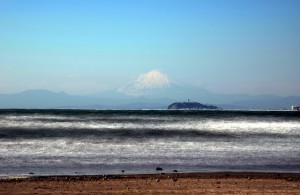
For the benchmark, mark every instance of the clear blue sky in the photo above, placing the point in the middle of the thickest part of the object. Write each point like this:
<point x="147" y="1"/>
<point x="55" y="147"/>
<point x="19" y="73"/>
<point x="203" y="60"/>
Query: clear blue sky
<point x="84" y="47"/>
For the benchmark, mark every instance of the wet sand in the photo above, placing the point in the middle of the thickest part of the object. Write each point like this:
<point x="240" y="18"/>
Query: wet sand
<point x="174" y="183"/>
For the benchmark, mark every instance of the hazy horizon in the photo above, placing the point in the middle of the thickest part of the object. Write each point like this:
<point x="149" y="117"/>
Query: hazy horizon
<point x="88" y="47"/>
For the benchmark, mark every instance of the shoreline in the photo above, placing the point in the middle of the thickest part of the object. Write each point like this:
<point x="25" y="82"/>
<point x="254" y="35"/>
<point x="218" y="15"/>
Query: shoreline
<point x="161" y="174"/>
<point x="161" y="183"/>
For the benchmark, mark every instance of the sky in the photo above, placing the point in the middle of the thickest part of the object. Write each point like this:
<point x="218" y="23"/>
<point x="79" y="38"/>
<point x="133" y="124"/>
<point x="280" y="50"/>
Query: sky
<point x="87" y="47"/>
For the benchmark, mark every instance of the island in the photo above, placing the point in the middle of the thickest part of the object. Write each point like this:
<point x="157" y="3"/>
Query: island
<point x="191" y="106"/>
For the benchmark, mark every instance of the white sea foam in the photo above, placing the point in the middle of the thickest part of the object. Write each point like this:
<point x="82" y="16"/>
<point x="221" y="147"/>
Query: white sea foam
<point x="213" y="125"/>
<point x="89" y="154"/>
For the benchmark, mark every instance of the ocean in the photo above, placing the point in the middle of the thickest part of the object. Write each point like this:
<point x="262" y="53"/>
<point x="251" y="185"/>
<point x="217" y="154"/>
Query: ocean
<point x="97" y="142"/>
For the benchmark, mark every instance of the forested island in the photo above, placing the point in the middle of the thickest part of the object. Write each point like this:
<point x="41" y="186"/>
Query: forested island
<point x="191" y="106"/>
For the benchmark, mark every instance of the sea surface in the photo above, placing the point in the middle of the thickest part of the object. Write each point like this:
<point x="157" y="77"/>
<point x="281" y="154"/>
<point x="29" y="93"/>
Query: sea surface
<point x="96" y="142"/>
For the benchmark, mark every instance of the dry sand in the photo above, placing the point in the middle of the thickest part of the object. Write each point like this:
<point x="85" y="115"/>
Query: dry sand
<point x="175" y="183"/>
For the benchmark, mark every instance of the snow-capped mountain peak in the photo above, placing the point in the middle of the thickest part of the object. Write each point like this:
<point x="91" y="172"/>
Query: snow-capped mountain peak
<point x="148" y="81"/>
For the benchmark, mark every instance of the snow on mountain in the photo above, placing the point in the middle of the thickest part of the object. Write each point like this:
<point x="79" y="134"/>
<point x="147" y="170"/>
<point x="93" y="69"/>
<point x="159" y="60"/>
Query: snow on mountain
<point x="150" y="81"/>
<point x="152" y="90"/>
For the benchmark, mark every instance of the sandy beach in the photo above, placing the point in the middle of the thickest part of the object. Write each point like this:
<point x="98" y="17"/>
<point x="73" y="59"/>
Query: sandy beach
<point x="174" y="183"/>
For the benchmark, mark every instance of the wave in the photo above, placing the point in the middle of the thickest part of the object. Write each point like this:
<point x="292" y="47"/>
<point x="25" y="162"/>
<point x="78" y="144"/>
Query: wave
<point x="184" y="124"/>
<point x="142" y="134"/>
<point x="33" y="124"/>
<point x="211" y="113"/>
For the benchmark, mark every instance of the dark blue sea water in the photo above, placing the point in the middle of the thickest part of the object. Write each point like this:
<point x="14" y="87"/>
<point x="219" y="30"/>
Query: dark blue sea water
<point x="78" y="142"/>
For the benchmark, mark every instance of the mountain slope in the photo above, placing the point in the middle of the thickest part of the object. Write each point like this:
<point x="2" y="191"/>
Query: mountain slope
<point x="43" y="99"/>
<point x="155" y="99"/>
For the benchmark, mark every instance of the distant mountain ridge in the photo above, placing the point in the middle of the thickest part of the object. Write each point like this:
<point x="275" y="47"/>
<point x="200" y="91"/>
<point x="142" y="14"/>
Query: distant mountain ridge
<point x="155" y="99"/>
<point x="45" y="99"/>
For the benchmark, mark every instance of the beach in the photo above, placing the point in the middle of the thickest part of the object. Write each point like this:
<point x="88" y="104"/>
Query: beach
<point x="163" y="183"/>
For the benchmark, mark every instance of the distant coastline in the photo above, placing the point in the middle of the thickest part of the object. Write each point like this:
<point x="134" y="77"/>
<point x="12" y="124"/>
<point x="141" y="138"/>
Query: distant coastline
<point x="44" y="99"/>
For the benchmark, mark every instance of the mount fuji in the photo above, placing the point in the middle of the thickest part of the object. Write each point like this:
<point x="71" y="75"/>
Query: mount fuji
<point x="152" y="90"/>
<point x="156" y="86"/>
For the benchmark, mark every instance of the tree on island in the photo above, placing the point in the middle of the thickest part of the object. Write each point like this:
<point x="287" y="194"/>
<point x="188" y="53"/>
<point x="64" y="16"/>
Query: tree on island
<point x="191" y="106"/>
